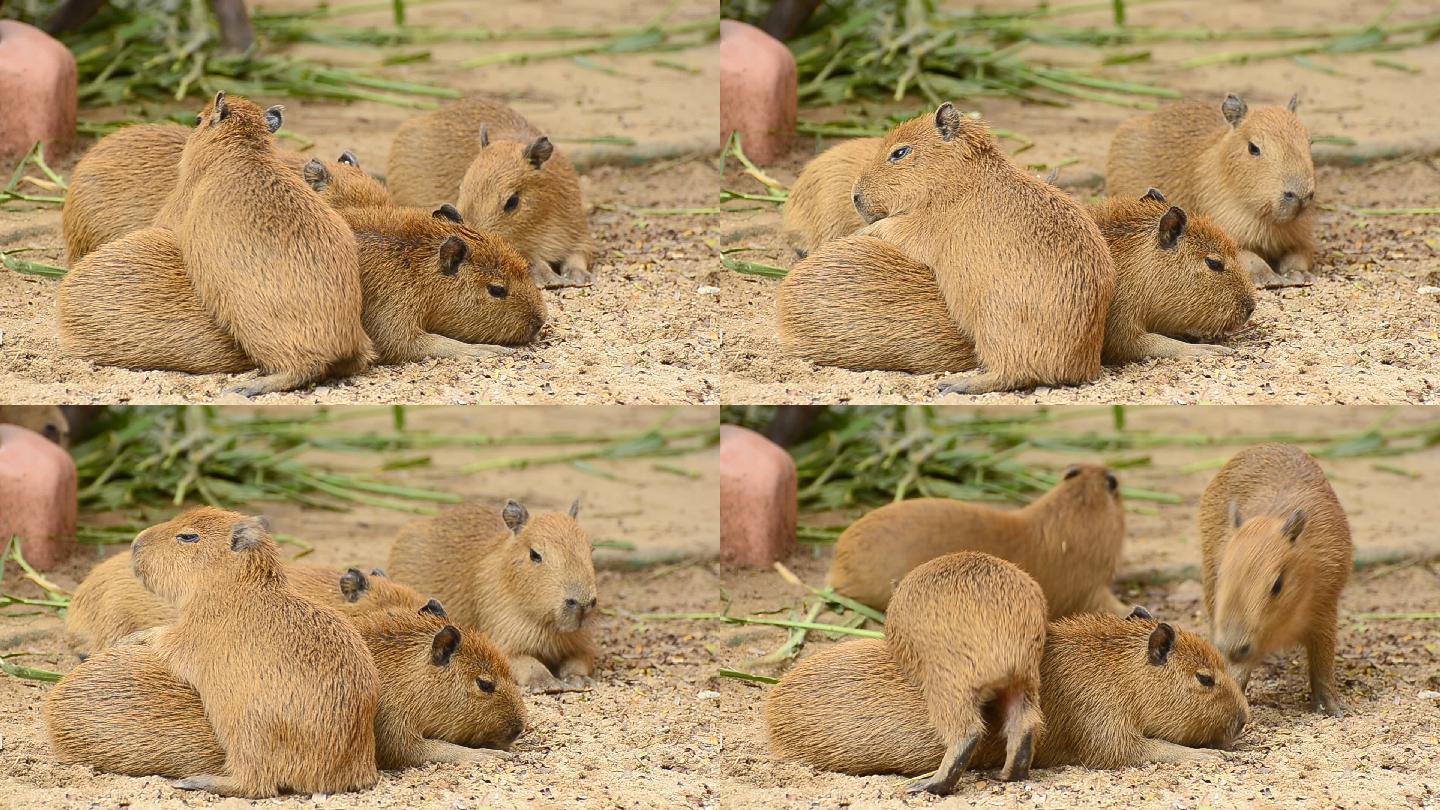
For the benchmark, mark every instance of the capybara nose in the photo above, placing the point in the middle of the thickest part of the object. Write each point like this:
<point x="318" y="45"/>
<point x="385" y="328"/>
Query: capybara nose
<point x="855" y="199"/>
<point x="1291" y="197"/>
<point x="516" y="729"/>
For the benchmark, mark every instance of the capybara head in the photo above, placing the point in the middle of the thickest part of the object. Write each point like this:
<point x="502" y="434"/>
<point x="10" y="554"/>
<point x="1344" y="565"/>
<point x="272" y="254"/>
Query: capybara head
<point x="452" y="683"/>
<point x="916" y="157"/>
<point x="1264" y="584"/>
<point x="513" y="188"/>
<point x="343" y="184"/>
<point x="1186" y="695"/>
<point x="1265" y="159"/>
<point x="234" y="119"/>
<point x="200" y="548"/>
<point x="47" y="420"/>
<point x="375" y="591"/>
<point x="484" y="293"/>
<point x="1185" y="267"/>
<point x="548" y="566"/>
<point x="1092" y="488"/>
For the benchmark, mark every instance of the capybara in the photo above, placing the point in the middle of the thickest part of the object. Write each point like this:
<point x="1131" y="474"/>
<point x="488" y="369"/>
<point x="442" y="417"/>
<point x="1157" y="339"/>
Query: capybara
<point x="528" y="584"/>
<point x="1024" y="272"/>
<point x="1248" y="170"/>
<point x="504" y="175"/>
<point x="47" y="420"/>
<point x="1277" y="553"/>
<point x="820" y="207"/>
<point x="1068" y="540"/>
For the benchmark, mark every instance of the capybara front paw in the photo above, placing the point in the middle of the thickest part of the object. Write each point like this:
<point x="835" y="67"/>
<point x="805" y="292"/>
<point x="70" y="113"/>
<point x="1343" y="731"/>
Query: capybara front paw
<point x="1328" y="705"/>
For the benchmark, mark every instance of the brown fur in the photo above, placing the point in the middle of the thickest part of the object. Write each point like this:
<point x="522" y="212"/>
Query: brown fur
<point x="47" y="420"/>
<point x="434" y="288"/>
<point x="819" y="208"/>
<point x="437" y="157"/>
<point x="1069" y="540"/>
<point x="110" y="603"/>
<point x="1269" y="516"/>
<point x="1024" y="272"/>
<point x="483" y="571"/>
<point x="274" y="265"/>
<point x="222" y="572"/>
<point x="969" y="630"/>
<point x="848" y="708"/>
<point x="123" y="181"/>
<point x="1191" y="152"/>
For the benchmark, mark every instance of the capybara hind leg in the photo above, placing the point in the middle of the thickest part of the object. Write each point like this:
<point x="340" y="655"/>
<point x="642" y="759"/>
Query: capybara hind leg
<point x="957" y="757"/>
<point x="282" y="381"/>
<point x="1321" y="652"/>
<point x="1022" y="717"/>
<point x="223" y="786"/>
<point x="1152" y="750"/>
<point x="982" y="383"/>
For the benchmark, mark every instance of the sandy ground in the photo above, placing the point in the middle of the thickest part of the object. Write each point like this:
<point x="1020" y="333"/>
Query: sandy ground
<point x="633" y="741"/>
<point x="1382" y="755"/>
<point x="1362" y="333"/>
<point x="641" y="333"/>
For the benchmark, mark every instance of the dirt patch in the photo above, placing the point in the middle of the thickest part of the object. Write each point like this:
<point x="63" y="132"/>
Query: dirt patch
<point x="1362" y="333"/>
<point x="639" y="739"/>
<point x="1382" y="754"/>
<point x="642" y="333"/>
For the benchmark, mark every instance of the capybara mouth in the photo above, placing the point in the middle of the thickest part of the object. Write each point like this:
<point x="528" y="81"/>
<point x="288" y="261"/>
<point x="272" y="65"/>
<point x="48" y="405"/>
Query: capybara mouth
<point x="862" y="207"/>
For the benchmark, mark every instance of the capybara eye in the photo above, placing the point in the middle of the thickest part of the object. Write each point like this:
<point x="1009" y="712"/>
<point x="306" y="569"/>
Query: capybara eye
<point x="1215" y="264"/>
<point x="1279" y="583"/>
<point x="188" y="537"/>
<point x="899" y="154"/>
<point x="497" y="290"/>
<point x="487" y="687"/>
<point x="535" y="556"/>
<point x="512" y="203"/>
<point x="1205" y="680"/>
<point x="1254" y="150"/>
<point x="1112" y="482"/>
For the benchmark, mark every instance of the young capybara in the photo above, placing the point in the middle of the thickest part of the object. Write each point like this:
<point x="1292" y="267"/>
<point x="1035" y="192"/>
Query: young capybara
<point x="1068" y="540"/>
<point x="506" y="178"/>
<point x="446" y="695"/>
<point x="296" y="712"/>
<point x="527" y="584"/>
<point x="341" y="184"/>
<point x="436" y="288"/>
<point x="1277" y="552"/>
<point x="1021" y="267"/>
<point x="820" y="207"/>
<point x="1249" y="170"/>
<point x="1115" y="693"/>
<point x="120" y="184"/>
<point x="110" y="603"/>
<point x="968" y="630"/>
<point x="274" y="266"/>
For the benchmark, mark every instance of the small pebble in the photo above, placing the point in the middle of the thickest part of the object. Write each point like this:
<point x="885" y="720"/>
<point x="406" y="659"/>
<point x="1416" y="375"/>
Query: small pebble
<point x="716" y="291"/>
<point x="1429" y="695"/>
<point x="712" y="695"/>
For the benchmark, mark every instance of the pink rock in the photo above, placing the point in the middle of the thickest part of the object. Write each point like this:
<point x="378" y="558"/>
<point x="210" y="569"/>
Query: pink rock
<point x="37" y="496"/>
<point x="757" y="499"/>
<point x="37" y="92"/>
<point x="757" y="91"/>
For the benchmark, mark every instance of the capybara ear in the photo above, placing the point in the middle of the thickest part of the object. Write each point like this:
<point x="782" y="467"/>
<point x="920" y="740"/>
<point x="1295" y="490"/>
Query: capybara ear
<point x="575" y="508"/>
<point x="1294" y="103"/>
<point x="515" y="515"/>
<point x="1162" y="638"/>
<point x="377" y="572"/>
<point x="452" y="254"/>
<point x="1072" y="471"/>
<point x="1234" y="109"/>
<point x="948" y="121"/>
<point x="353" y="585"/>
<point x="222" y="110"/>
<point x="264" y="523"/>
<point x="434" y="608"/>
<point x="245" y="535"/>
<point x="446" y="642"/>
<point x="274" y="117"/>
<point x="448" y="211"/>
<point x="1235" y="519"/>
<point x="1294" y="525"/>
<point x="348" y="158"/>
<point x="1140" y="613"/>
<point x="1154" y="194"/>
<point x="316" y="175"/>
<point x="1111" y="482"/>
<point x="539" y="151"/>
<point x="1172" y="227"/>
<point x="484" y="136"/>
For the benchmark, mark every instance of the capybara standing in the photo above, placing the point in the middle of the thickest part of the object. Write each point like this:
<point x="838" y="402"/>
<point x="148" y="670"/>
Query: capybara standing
<point x="504" y="175"/>
<point x="1115" y="693"/>
<point x="266" y="257"/>
<point x="528" y="584"/>
<point x="969" y="630"/>
<point x="1249" y="170"/>
<point x="819" y="207"/>
<point x="1069" y="540"/>
<point x="1277" y="554"/>
<point x="287" y="684"/>
<point x="1023" y="270"/>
